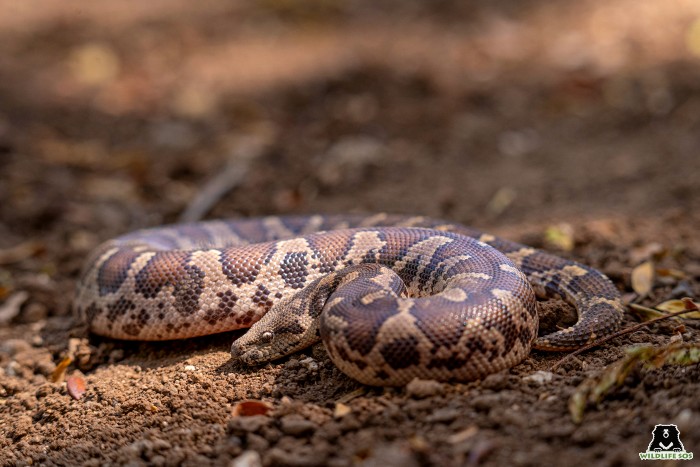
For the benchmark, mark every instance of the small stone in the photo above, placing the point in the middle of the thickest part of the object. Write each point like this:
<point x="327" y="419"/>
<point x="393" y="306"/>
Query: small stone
<point x="539" y="377"/>
<point x="684" y="419"/>
<point x="296" y="425"/>
<point x="310" y="364"/>
<point x="247" y="459"/>
<point x="495" y="382"/>
<point x="257" y="442"/>
<point x="292" y="364"/>
<point x="190" y="368"/>
<point x="422" y="388"/>
<point x="393" y="454"/>
<point x="116" y="355"/>
<point x="13" y="368"/>
<point x="341" y="410"/>
<point x="161" y="445"/>
<point x="486" y="402"/>
<point x="14" y="346"/>
<point x="444" y="415"/>
<point x="242" y="425"/>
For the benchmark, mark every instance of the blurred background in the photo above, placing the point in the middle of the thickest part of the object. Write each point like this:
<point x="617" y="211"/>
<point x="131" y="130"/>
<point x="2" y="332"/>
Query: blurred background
<point x="121" y="115"/>
<point x="568" y="125"/>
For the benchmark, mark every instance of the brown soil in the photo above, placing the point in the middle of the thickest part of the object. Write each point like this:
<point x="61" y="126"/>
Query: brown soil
<point x="519" y="117"/>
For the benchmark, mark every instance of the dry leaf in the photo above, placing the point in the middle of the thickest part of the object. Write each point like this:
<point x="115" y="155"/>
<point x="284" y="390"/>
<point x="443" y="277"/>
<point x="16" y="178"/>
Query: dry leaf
<point x="341" y="410"/>
<point x="673" y="306"/>
<point x="669" y="272"/>
<point x="593" y="390"/>
<point x="94" y="64"/>
<point x="501" y="200"/>
<point x="250" y="408"/>
<point x="76" y="386"/>
<point x="560" y="236"/>
<point x="643" y="278"/>
<point x="59" y="372"/>
<point x="649" y="252"/>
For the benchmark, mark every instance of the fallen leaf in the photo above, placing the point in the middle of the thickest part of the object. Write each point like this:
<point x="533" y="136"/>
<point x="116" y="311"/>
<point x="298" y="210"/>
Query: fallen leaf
<point x="341" y="410"/>
<point x="649" y="252"/>
<point x="76" y="386"/>
<point x="501" y="200"/>
<point x="670" y="272"/>
<point x="250" y="408"/>
<point x="21" y="251"/>
<point x="59" y="372"/>
<point x="94" y="64"/>
<point x="593" y="390"/>
<point x="673" y="306"/>
<point x="643" y="278"/>
<point x="560" y="236"/>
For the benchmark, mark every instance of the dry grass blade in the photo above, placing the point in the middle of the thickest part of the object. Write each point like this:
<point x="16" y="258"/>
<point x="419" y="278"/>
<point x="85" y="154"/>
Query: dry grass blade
<point x="229" y="178"/>
<point x="690" y="307"/>
<point x="593" y="390"/>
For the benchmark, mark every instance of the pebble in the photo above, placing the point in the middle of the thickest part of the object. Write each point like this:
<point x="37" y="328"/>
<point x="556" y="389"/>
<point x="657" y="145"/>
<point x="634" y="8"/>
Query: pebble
<point x="495" y="382"/>
<point x="310" y="364"/>
<point x="247" y="459"/>
<point x="539" y="377"/>
<point x="347" y="159"/>
<point x="257" y="442"/>
<point x="295" y="457"/>
<point x="242" y="425"/>
<point x="394" y="454"/>
<point x="190" y="368"/>
<point x="443" y="415"/>
<point x="14" y="346"/>
<point x="296" y="425"/>
<point x="13" y="368"/>
<point x="341" y="410"/>
<point x="485" y="402"/>
<point x="684" y="419"/>
<point x="422" y="388"/>
<point x="292" y="364"/>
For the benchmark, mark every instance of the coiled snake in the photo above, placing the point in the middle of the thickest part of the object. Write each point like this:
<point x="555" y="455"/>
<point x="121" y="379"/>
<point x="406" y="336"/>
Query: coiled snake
<point x="392" y="297"/>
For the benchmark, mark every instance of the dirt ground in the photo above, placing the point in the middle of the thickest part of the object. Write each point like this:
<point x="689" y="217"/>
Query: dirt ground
<point x="537" y="121"/>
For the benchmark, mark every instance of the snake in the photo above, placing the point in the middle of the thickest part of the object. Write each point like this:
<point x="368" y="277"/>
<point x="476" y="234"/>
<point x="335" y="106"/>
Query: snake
<point x="392" y="297"/>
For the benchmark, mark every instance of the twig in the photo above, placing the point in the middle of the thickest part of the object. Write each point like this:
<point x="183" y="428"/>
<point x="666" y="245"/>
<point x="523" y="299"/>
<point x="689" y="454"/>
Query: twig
<point x="229" y="178"/>
<point x="690" y="306"/>
<point x="20" y="252"/>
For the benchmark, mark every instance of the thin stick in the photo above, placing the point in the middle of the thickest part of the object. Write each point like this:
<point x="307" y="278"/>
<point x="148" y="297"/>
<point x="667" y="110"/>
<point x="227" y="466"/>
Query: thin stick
<point x="690" y="306"/>
<point x="229" y="178"/>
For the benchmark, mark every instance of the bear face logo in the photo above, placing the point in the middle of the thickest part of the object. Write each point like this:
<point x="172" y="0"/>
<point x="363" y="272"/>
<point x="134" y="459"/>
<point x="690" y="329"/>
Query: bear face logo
<point x="666" y="438"/>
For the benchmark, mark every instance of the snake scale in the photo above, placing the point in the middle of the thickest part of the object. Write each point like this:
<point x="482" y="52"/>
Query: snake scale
<point x="392" y="297"/>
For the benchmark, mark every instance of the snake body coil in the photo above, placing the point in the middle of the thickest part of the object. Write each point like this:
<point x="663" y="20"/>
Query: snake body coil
<point x="392" y="297"/>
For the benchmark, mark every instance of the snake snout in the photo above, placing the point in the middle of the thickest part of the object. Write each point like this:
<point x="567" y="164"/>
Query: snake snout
<point x="246" y="354"/>
<point x="236" y="350"/>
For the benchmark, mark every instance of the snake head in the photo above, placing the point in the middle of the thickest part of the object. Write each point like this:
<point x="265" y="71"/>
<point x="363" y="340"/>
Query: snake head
<point x="288" y="327"/>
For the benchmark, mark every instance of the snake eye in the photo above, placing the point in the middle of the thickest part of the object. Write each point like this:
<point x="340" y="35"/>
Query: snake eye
<point x="267" y="336"/>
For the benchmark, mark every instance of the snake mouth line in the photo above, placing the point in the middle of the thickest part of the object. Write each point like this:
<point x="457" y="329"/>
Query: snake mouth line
<point x="245" y="355"/>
